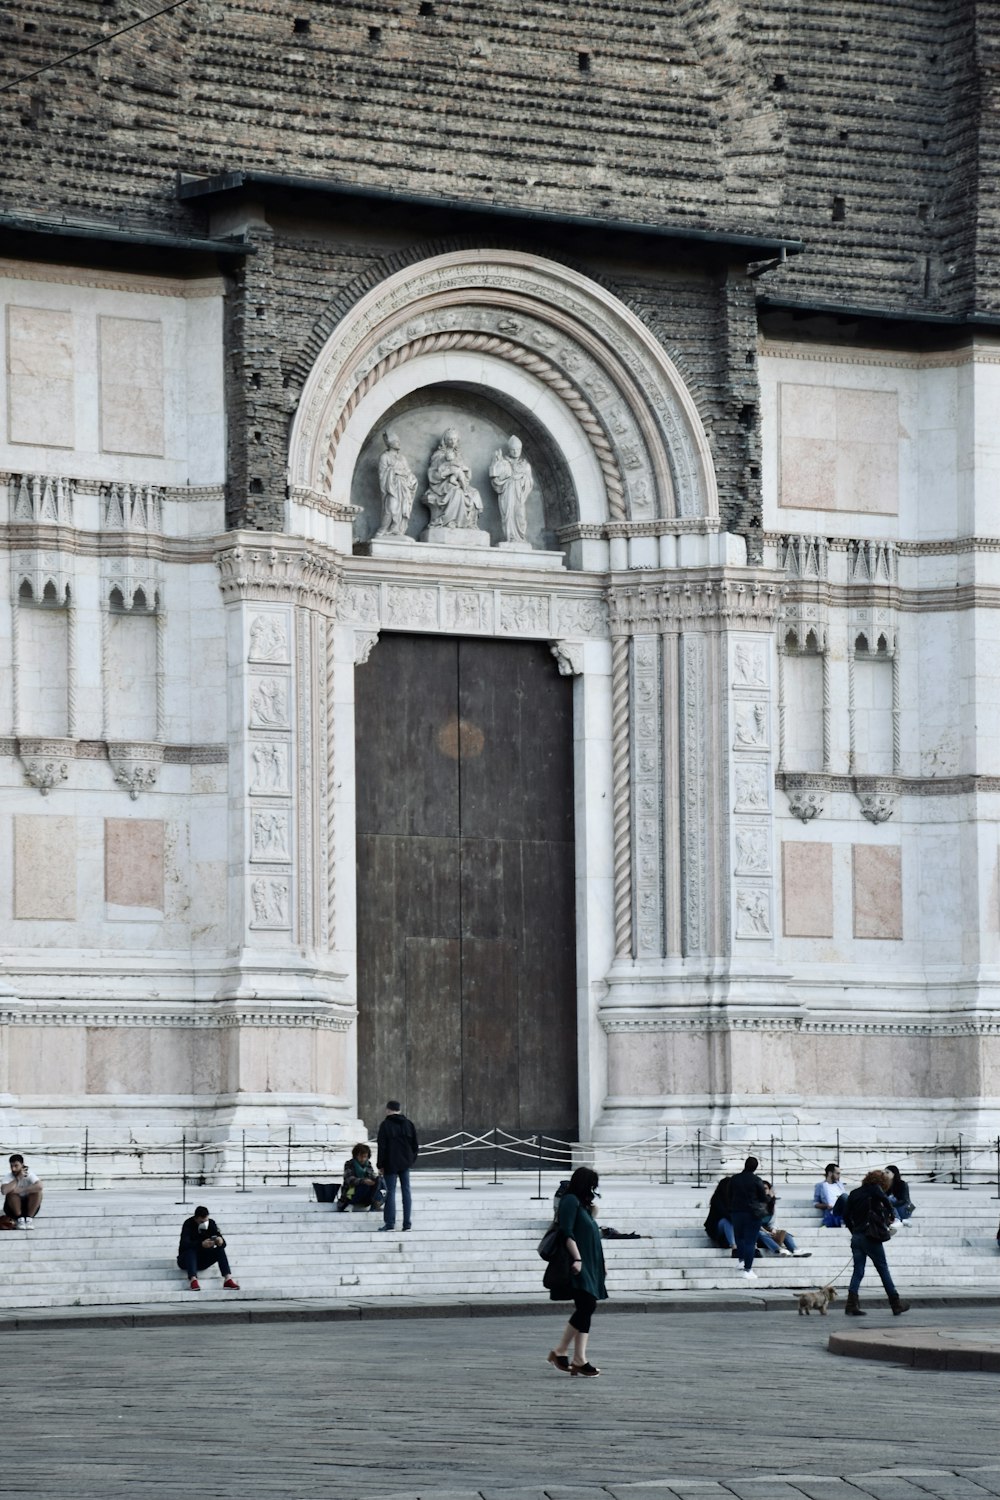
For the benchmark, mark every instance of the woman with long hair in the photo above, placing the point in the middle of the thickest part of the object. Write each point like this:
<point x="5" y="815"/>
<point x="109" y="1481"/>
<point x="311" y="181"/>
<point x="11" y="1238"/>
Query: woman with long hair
<point x="899" y="1195"/>
<point x="868" y="1216"/>
<point x="586" y="1253"/>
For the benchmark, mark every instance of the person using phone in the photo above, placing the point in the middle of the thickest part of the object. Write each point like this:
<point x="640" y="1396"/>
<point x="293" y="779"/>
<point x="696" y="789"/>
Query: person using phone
<point x="202" y="1245"/>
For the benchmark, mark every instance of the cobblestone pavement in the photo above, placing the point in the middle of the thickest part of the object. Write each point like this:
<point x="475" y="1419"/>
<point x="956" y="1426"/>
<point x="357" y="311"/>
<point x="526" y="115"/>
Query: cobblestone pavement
<point x="737" y="1406"/>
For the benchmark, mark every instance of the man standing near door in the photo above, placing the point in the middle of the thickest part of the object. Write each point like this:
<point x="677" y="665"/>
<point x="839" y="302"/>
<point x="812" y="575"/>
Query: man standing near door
<point x="396" y="1151"/>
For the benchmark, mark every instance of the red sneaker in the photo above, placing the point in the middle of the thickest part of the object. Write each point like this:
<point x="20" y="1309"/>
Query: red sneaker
<point x="231" y="1285"/>
<point x="194" y="1284"/>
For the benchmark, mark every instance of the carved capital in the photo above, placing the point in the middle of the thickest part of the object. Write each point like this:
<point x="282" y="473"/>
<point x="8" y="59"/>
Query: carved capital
<point x="806" y="797"/>
<point x="308" y="575"/>
<point x="877" y="807"/>
<point x="45" y="761"/>
<point x="692" y="601"/>
<point x="135" y="764"/>
<point x="365" y="642"/>
<point x="569" y="657"/>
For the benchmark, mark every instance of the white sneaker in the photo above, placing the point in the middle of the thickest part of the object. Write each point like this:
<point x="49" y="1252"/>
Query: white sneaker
<point x="802" y="1254"/>
<point x="783" y="1251"/>
<point x="22" y="1223"/>
<point x="749" y="1275"/>
<point x="29" y="1223"/>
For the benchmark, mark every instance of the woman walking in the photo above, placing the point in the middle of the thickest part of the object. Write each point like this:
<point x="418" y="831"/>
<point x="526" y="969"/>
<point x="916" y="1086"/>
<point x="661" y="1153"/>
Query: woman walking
<point x="868" y="1215"/>
<point x="586" y="1255"/>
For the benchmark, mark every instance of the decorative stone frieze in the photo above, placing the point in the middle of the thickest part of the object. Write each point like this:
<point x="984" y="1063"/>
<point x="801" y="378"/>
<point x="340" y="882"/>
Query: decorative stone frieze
<point x="131" y="507"/>
<point x="749" y="672"/>
<point x="225" y="1016"/>
<point x="476" y="607"/>
<point x="46" y="761"/>
<point x="41" y="499"/>
<point x="693" y="601"/>
<point x="135" y="764"/>
<point x="291" y="570"/>
<point x="647" y="794"/>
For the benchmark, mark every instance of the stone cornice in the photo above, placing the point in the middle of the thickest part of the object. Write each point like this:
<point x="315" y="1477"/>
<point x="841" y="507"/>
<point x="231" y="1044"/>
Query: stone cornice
<point x="664" y="526"/>
<point x="940" y="547"/>
<point x="173" y="755"/>
<point x="71" y="542"/>
<point x="113" y="281"/>
<point x="284" y="568"/>
<point x="844" y="596"/>
<point x="210" y="1017"/>
<point x="672" y="601"/>
<point x="612" y="1023"/>
<point x="825" y="782"/>
<point x="882" y="359"/>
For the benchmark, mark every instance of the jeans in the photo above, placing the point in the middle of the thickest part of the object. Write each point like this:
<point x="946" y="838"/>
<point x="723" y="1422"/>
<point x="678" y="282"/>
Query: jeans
<point x="196" y="1259"/>
<point x="728" y="1233"/>
<point x="863" y="1248"/>
<point x="771" y="1245"/>
<point x="389" y="1212"/>
<point x="745" y="1227"/>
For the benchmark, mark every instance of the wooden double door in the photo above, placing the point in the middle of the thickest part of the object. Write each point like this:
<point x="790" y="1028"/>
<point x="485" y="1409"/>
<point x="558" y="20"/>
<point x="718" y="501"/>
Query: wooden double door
<point x="466" y="883"/>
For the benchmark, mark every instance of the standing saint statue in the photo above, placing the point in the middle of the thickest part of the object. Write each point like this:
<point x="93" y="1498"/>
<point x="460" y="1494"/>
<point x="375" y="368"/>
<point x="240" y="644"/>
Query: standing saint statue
<point x="512" y="479"/>
<point x="452" y="500"/>
<point x="398" y="485"/>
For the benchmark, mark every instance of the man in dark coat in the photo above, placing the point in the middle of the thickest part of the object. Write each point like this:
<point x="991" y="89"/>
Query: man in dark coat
<point x="201" y="1246"/>
<point x="396" y="1151"/>
<point x="747" y="1211"/>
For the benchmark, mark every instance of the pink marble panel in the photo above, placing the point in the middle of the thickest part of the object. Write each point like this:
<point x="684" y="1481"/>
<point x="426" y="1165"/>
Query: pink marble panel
<point x="133" y="862"/>
<point x="807" y="889"/>
<point x="44" y="868"/>
<point x="878" y="891"/>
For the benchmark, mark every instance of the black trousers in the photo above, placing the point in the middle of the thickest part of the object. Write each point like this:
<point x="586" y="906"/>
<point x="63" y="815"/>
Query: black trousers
<point x="585" y="1305"/>
<point x="195" y="1260"/>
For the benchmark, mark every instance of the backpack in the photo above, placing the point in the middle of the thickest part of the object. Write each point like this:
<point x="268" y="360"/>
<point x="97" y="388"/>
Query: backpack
<point x="864" y="1214"/>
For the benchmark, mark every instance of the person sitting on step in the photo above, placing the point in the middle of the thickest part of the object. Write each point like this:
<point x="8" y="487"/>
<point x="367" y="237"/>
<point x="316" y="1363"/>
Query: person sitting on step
<point x="201" y="1246"/>
<point x="363" y="1188"/>
<point x="22" y="1194"/>
<point x="776" y="1241"/>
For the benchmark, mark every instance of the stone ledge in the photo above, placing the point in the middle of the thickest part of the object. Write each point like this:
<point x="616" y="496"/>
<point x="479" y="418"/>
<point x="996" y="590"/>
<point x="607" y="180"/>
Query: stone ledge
<point x="921" y="1348"/>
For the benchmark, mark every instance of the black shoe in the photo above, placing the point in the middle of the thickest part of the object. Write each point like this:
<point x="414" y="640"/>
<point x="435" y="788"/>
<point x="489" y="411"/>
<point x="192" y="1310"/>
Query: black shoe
<point x="406" y="1227"/>
<point x="385" y="1229"/>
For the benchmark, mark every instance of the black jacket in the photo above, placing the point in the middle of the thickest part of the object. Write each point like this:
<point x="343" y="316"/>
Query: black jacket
<point x="718" y="1208"/>
<point x="397" y="1147"/>
<point x="747" y="1195"/>
<point x="868" y="1211"/>
<point x="191" y="1235"/>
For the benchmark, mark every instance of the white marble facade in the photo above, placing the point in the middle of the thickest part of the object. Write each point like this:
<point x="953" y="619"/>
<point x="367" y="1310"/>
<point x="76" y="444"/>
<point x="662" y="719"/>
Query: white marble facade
<point x="787" y="802"/>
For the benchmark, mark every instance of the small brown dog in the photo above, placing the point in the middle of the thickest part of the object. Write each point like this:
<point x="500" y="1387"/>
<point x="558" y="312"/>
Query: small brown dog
<point x="819" y="1300"/>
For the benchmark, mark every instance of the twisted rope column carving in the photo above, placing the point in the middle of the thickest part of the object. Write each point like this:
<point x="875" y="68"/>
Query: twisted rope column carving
<point x="621" y="795"/>
<point x="71" y="671"/>
<point x="161" y="704"/>
<point x="15" y="664"/>
<point x="516" y="354"/>
<point x="827" y="712"/>
<point x="851" y="728"/>
<point x="331" y="867"/>
<point x="897" y="754"/>
<point x="105" y="699"/>
<point x="781" y="709"/>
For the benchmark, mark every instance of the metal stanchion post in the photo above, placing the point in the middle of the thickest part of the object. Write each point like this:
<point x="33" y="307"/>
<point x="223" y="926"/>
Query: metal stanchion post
<point x="772" y="1161"/>
<point x="961" y="1168"/>
<point x="461" y="1186"/>
<point x="184" y="1169"/>
<point x="496" y="1160"/>
<point x="243" y="1167"/>
<point x="539" y="1195"/>
<point x="666" y="1155"/>
<point x="86" y="1159"/>
<point x="836" y="1155"/>
<point x="698" y="1155"/>
<point x="288" y="1160"/>
<point x="997" y="1193"/>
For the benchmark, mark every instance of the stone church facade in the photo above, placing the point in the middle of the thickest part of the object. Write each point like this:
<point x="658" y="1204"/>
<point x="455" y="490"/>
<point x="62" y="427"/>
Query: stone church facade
<point x="638" y="773"/>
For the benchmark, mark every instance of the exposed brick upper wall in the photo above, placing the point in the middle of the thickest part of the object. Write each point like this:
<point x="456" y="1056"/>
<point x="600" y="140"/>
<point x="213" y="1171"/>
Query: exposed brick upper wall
<point x="861" y="126"/>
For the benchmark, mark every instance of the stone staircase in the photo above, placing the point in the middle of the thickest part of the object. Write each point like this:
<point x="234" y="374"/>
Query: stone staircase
<point x="112" y="1247"/>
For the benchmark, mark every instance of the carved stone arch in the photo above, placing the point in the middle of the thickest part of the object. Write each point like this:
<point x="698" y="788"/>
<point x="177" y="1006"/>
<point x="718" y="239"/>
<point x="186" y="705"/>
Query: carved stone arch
<point x="552" y="328"/>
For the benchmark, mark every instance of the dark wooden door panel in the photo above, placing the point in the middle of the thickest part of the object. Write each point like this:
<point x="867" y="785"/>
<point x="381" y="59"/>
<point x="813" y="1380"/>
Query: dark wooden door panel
<point x="489" y="1033"/>
<point x="520" y="783"/>
<point x="407" y="888"/>
<point x="405" y="711"/>
<point x="466" y="911"/>
<point x="434" y="1046"/>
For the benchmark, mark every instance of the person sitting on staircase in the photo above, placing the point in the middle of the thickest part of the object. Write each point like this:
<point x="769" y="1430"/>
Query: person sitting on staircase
<point x="201" y="1246"/>
<point x="22" y="1195"/>
<point x="363" y="1188"/>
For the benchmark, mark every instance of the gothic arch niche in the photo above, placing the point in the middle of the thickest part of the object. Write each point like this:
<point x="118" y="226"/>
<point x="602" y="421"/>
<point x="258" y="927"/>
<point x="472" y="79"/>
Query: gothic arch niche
<point x="527" y="330"/>
<point x="484" y="423"/>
